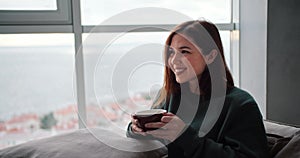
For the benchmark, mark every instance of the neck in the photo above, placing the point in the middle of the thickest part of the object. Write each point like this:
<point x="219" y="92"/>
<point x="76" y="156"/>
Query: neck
<point x="194" y="86"/>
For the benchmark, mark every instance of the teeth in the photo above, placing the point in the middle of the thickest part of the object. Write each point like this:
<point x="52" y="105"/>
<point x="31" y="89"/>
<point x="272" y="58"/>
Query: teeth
<point x="179" y="70"/>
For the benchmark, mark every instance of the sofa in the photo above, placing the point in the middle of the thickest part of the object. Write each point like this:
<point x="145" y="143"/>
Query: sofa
<point x="284" y="142"/>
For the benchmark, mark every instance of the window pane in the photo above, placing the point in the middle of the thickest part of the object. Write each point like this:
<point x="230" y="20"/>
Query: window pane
<point x="132" y="64"/>
<point x="96" y="11"/>
<point x="28" y="5"/>
<point x="225" y="37"/>
<point x="36" y="83"/>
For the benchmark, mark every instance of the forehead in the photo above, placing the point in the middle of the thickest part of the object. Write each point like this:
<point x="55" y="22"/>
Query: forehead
<point x="179" y="40"/>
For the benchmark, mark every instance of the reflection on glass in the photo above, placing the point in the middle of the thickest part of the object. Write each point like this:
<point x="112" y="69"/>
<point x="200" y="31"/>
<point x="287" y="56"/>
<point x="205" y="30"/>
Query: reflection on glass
<point x="28" y="5"/>
<point x="94" y="11"/>
<point x="36" y="83"/>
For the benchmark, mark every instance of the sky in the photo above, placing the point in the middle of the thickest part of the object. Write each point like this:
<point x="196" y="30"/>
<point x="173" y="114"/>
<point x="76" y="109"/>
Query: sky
<point x="95" y="12"/>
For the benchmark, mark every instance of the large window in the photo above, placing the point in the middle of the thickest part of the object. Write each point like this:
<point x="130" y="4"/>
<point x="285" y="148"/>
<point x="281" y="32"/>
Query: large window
<point x="36" y="86"/>
<point x="49" y="85"/>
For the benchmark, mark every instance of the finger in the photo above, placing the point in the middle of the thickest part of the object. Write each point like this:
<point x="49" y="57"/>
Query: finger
<point x="155" y="125"/>
<point x="167" y="119"/>
<point x="135" y="128"/>
<point x="134" y="121"/>
<point x="142" y="133"/>
<point x="169" y="114"/>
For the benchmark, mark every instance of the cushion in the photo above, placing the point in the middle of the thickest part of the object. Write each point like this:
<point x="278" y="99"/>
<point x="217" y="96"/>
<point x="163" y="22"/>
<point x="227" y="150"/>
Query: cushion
<point x="280" y="129"/>
<point x="87" y="143"/>
<point x="276" y="143"/>
<point x="282" y="139"/>
<point x="291" y="149"/>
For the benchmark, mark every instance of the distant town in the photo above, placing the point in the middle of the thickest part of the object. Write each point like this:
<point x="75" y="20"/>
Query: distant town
<point x="30" y="126"/>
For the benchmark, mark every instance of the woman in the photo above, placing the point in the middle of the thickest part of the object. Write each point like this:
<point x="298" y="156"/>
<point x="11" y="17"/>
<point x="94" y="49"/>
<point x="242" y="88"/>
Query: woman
<point x="197" y="81"/>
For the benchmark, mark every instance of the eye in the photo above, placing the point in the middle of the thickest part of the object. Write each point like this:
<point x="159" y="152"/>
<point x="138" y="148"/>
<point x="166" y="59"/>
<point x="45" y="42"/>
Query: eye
<point x="185" y="52"/>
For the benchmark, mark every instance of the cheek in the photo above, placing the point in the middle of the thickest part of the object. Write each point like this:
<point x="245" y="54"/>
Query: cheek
<point x="169" y="64"/>
<point x="197" y="65"/>
<point x="200" y="68"/>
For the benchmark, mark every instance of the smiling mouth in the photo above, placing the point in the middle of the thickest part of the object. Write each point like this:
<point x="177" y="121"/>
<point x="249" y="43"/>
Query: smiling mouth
<point x="179" y="71"/>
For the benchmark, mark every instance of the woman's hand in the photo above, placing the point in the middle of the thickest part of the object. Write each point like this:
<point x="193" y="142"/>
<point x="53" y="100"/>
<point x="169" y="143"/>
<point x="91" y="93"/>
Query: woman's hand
<point x="135" y="128"/>
<point x="170" y="127"/>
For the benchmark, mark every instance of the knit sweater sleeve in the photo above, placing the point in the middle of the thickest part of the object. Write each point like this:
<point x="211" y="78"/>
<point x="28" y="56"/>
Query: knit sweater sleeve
<point x="243" y="137"/>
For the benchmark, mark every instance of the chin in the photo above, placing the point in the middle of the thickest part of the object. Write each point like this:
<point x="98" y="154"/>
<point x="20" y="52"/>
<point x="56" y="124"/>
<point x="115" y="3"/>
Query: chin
<point x="180" y="81"/>
<point x="184" y="79"/>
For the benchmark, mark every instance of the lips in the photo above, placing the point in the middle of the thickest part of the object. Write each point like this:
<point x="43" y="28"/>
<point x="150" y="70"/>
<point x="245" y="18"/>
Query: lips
<point x="179" y="71"/>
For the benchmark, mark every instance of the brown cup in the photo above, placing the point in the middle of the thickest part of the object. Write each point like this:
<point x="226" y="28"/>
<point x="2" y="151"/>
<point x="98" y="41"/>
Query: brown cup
<point x="146" y="116"/>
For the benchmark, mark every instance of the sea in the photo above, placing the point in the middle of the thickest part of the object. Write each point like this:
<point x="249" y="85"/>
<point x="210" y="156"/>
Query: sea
<point x="42" y="79"/>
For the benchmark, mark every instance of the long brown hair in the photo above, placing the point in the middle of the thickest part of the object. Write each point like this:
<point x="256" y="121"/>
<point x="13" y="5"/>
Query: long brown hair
<point x="206" y="37"/>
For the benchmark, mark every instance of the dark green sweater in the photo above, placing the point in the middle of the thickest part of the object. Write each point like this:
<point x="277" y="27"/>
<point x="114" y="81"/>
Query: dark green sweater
<point x="237" y="133"/>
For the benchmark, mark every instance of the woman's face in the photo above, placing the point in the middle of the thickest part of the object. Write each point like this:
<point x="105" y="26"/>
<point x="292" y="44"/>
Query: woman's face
<point x="185" y="60"/>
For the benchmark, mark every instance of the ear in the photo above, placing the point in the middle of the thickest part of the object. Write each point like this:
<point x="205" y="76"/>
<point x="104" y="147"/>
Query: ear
<point x="209" y="58"/>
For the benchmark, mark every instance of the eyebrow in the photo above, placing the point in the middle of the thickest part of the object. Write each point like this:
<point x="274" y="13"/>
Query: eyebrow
<point x="184" y="47"/>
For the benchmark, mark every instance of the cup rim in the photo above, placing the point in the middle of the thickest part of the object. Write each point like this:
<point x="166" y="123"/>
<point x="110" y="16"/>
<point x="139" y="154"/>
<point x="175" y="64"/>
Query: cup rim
<point x="153" y="112"/>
